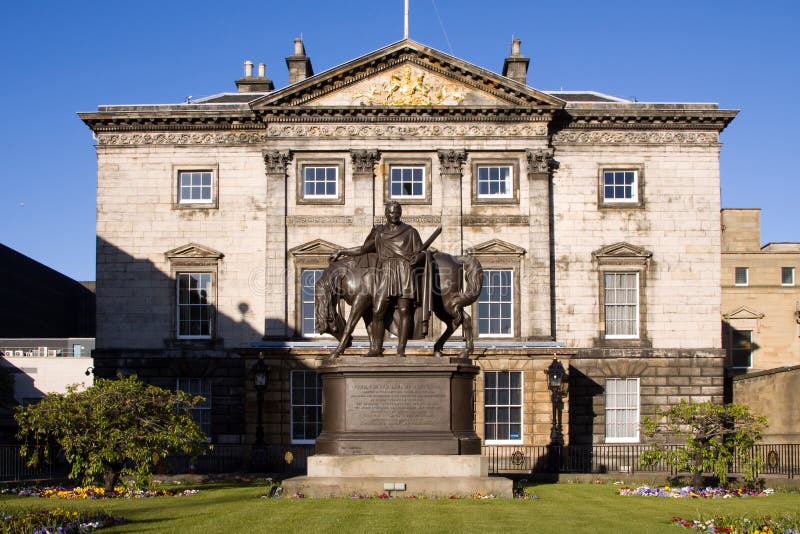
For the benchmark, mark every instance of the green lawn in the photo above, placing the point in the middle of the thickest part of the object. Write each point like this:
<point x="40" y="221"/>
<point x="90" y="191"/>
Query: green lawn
<point x="559" y="508"/>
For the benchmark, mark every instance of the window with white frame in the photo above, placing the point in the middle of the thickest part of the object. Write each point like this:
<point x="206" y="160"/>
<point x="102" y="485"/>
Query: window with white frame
<point x="622" y="410"/>
<point x="194" y="305"/>
<point x="787" y="276"/>
<point x="407" y="182"/>
<point x="496" y="303"/>
<point x="195" y="187"/>
<point x="502" y="406"/>
<point x="495" y="181"/>
<point x="320" y="182"/>
<point x="306" y="398"/>
<point x="741" y="349"/>
<point x="308" y="280"/>
<point x="620" y="186"/>
<point x="202" y="411"/>
<point x="621" y="305"/>
<point x="742" y="276"/>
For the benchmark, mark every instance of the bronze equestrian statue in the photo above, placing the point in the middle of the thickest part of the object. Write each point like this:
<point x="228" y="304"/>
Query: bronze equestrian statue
<point x="394" y="272"/>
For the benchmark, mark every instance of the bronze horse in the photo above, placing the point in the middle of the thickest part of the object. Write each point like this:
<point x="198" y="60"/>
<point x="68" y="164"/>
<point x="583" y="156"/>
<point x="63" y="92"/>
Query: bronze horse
<point x="354" y="280"/>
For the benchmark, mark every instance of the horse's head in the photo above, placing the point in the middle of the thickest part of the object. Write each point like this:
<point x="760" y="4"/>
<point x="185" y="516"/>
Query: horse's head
<point x="326" y="298"/>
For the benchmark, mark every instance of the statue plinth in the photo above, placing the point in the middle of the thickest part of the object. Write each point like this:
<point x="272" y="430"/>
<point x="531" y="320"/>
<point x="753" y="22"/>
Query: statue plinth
<point x="395" y="406"/>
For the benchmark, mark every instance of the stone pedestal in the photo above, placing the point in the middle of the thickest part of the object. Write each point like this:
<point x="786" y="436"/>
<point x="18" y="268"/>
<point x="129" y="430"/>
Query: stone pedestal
<point x="391" y="405"/>
<point x="404" y="426"/>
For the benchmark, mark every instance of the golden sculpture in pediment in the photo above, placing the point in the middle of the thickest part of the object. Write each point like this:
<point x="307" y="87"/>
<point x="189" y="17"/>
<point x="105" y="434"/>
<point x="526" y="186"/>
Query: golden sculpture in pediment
<point x="409" y="88"/>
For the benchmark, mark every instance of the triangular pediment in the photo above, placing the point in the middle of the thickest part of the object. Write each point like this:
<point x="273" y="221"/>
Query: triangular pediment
<point x="318" y="247"/>
<point x="622" y="251"/>
<point x="496" y="247"/>
<point x="743" y="312"/>
<point x="407" y="74"/>
<point x="193" y="250"/>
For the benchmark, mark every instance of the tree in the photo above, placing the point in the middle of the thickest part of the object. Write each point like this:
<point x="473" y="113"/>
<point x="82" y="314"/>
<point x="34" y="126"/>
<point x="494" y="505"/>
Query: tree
<point x="712" y="436"/>
<point x="114" y="428"/>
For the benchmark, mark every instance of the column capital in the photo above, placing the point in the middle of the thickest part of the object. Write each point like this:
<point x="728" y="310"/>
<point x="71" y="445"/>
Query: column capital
<point x="540" y="162"/>
<point x="364" y="161"/>
<point x="275" y="161"/>
<point x="452" y="160"/>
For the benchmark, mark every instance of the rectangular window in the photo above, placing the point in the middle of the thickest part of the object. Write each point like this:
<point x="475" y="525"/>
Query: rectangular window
<point x="621" y="305"/>
<point x="622" y="410"/>
<point x="202" y="412"/>
<point x="195" y="187"/>
<point x="320" y="182"/>
<point x="620" y="186"/>
<point x="787" y="276"/>
<point x="308" y="280"/>
<point x="306" y="406"/>
<point x="741" y="349"/>
<point x="195" y="309"/>
<point x="502" y="406"/>
<point x="495" y="181"/>
<point x="742" y="276"/>
<point x="495" y="304"/>
<point x="406" y="182"/>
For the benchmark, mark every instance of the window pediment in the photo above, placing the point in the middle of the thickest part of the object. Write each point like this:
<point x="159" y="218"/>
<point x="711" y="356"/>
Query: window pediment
<point x="317" y="247"/>
<point x="622" y="253"/>
<point x="192" y="252"/>
<point x="496" y="247"/>
<point x="743" y="312"/>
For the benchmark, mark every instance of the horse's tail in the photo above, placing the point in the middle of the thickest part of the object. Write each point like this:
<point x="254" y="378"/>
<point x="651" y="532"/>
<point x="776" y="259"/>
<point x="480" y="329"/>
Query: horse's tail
<point x="326" y="314"/>
<point x="473" y="278"/>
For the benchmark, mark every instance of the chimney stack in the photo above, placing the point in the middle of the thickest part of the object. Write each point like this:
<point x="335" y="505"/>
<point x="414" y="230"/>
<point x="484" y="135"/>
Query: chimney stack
<point x="251" y="84"/>
<point x="299" y="64"/>
<point x="516" y="65"/>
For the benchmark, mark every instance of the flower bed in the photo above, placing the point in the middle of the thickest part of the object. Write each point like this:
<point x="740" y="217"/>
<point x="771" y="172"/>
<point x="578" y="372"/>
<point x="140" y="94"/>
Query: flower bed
<point x="93" y="492"/>
<point x="688" y="492"/>
<point x="787" y="524"/>
<point x="55" y="521"/>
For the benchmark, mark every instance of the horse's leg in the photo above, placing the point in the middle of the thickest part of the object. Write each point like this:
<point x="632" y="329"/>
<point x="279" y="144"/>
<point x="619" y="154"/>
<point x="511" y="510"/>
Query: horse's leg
<point x="466" y="329"/>
<point x="360" y="303"/>
<point x="449" y="327"/>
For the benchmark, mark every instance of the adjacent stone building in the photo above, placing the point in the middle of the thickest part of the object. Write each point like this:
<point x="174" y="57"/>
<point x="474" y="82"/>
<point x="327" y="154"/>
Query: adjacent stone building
<point x="596" y="220"/>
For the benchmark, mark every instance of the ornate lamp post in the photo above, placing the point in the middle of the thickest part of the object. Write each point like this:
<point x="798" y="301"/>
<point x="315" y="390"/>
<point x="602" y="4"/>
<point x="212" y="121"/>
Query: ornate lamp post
<point x="557" y="384"/>
<point x="260" y="371"/>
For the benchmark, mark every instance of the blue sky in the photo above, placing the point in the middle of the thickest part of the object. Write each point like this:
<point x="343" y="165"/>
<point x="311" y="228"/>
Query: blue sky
<point x="58" y="58"/>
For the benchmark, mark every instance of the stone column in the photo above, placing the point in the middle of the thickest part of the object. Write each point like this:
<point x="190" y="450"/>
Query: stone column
<point x="363" y="162"/>
<point x="541" y="247"/>
<point x="452" y="239"/>
<point x="275" y="283"/>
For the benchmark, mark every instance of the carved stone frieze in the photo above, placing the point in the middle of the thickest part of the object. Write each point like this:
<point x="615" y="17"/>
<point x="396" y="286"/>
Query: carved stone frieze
<point x="540" y="161"/>
<point x="407" y="130"/>
<point x="201" y="138"/>
<point x="321" y="220"/>
<point x="492" y="220"/>
<point x="634" y="137"/>
<point x="275" y="161"/>
<point x="451" y="161"/>
<point x="408" y="87"/>
<point x="364" y="161"/>
<point x="429" y="220"/>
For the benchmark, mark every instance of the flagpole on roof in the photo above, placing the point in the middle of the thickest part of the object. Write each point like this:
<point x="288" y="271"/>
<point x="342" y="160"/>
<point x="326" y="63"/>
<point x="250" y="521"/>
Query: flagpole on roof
<point x="405" y="21"/>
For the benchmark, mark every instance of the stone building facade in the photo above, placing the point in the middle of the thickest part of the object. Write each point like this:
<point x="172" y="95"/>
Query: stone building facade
<point x="596" y="220"/>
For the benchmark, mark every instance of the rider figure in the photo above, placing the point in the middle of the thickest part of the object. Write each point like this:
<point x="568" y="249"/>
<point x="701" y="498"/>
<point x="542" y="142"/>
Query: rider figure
<point x="399" y="248"/>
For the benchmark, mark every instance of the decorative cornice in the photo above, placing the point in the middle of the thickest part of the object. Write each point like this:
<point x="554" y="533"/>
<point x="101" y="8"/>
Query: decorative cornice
<point x="331" y="220"/>
<point x="569" y="137"/>
<point x="384" y="114"/>
<point x="650" y="118"/>
<point x="451" y="161"/>
<point x="429" y="220"/>
<point x="411" y="130"/>
<point x="223" y="138"/>
<point x="540" y="161"/>
<point x="364" y="161"/>
<point x="493" y="220"/>
<point x="144" y="120"/>
<point x="275" y="161"/>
